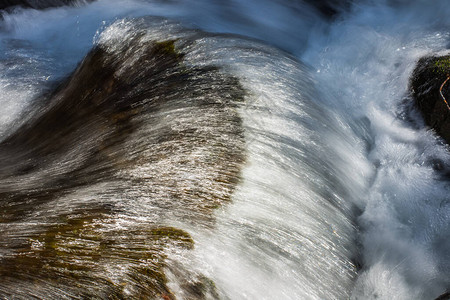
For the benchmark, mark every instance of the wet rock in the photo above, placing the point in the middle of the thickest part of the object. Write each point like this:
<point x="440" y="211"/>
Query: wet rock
<point x="329" y="8"/>
<point x="133" y="137"/>
<point x="445" y="296"/>
<point x="430" y="87"/>
<point x="38" y="4"/>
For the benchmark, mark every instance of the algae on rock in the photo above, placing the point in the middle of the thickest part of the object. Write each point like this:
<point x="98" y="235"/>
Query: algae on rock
<point x="124" y="131"/>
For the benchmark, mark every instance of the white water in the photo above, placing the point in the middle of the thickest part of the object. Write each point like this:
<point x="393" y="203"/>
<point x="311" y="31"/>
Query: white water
<point x="406" y="217"/>
<point x="362" y="62"/>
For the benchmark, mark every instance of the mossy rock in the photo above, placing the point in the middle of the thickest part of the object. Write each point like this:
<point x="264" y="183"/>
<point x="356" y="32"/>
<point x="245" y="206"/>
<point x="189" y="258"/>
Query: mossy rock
<point x="431" y="92"/>
<point x="141" y="107"/>
<point x="75" y="251"/>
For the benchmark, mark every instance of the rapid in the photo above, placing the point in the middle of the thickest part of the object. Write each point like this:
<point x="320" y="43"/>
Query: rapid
<point x="220" y="150"/>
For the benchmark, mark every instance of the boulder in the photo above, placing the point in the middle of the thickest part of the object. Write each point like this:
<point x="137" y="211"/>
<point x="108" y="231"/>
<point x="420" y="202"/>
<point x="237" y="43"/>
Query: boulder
<point x="430" y="87"/>
<point x="134" y="131"/>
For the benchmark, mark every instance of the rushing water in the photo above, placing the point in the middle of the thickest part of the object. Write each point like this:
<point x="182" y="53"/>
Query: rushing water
<point x="273" y="154"/>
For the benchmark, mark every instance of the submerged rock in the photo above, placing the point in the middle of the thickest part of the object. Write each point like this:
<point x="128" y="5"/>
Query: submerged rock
<point x="133" y="138"/>
<point x="445" y="296"/>
<point x="430" y="85"/>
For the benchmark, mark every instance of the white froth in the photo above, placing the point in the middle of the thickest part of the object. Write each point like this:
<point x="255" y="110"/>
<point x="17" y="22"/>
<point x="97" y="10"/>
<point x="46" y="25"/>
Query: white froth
<point x="373" y="51"/>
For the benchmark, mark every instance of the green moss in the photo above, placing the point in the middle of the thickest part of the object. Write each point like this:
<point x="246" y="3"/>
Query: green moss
<point x="442" y="65"/>
<point x="76" y="248"/>
<point x="166" y="48"/>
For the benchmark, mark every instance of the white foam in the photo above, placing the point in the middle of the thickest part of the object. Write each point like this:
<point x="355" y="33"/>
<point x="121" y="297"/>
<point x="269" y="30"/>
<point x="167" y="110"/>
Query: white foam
<point x="373" y="51"/>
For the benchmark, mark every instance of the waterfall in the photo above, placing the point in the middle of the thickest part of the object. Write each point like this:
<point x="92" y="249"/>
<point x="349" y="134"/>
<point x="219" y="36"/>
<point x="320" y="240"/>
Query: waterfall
<point x="220" y="150"/>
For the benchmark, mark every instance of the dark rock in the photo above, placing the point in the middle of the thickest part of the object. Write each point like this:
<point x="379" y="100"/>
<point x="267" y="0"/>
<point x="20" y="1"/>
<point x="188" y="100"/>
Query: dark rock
<point x="445" y="296"/>
<point x="430" y="86"/>
<point x="329" y="8"/>
<point x="37" y="4"/>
